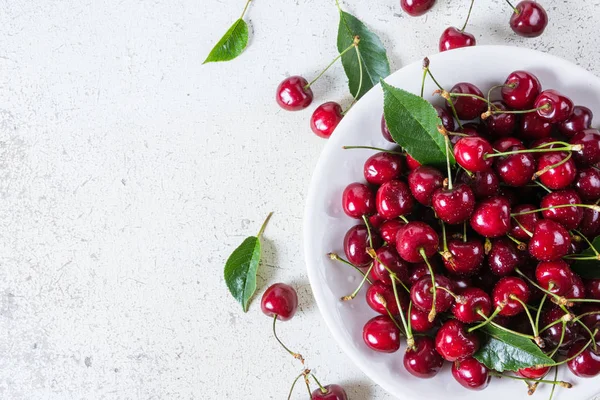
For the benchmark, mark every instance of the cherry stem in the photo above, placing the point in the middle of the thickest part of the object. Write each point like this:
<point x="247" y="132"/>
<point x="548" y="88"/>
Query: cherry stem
<point x="489" y="94"/>
<point x="452" y="94"/>
<point x="509" y="153"/>
<point x="323" y="390"/>
<point x="518" y="378"/>
<point x="513" y="7"/>
<point x="520" y="245"/>
<point x="587" y="241"/>
<point x="443" y="91"/>
<point x="264" y="225"/>
<point x="583" y="301"/>
<point x="294" y="383"/>
<point x="584" y="326"/>
<point x="560" y="342"/>
<point x="297" y="356"/>
<point x="330" y="65"/>
<point x="389" y="313"/>
<point x="410" y="341"/>
<point x="447" y="140"/>
<point x="595" y="208"/>
<point x="499" y="111"/>
<point x="404" y="219"/>
<point x="444" y="240"/>
<point x="364" y="217"/>
<point x="486" y="320"/>
<point x="555" y="378"/>
<point x="362" y="283"/>
<point x="465" y="232"/>
<point x="580" y="258"/>
<point x="245" y="8"/>
<point x="425" y="70"/>
<point x="572" y="357"/>
<point x="536" y="334"/>
<point x="549" y="167"/>
<point x="468" y="16"/>
<point x="308" y="386"/>
<point x="336" y="257"/>
<point x="393" y="275"/>
<point x="432" y="313"/>
<point x="542" y="186"/>
<point x="559" y="299"/>
<point x="374" y="148"/>
<point x="539" y="312"/>
<point x="447" y="291"/>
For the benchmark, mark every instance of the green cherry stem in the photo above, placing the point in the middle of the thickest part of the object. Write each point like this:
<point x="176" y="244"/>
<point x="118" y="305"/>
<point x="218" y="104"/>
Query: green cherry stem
<point x="575" y="147"/>
<point x="560" y="342"/>
<point x="542" y="185"/>
<point x="536" y="335"/>
<point x="447" y="141"/>
<point x="513" y="7"/>
<point x="393" y="275"/>
<point x="264" y="225"/>
<point x="297" y="356"/>
<point x="425" y="71"/>
<point x="294" y="384"/>
<point x="487" y="114"/>
<point x="486" y="320"/>
<point x="306" y="381"/>
<point x="323" y="390"/>
<point x="587" y="241"/>
<point x="468" y="16"/>
<point x="593" y="207"/>
<point x="570" y="358"/>
<point x="489" y="94"/>
<point x="410" y="341"/>
<point x="362" y="283"/>
<point x="539" y="312"/>
<point x="336" y="257"/>
<point x="354" y="44"/>
<point x="555" y="369"/>
<point x="374" y="148"/>
<point x="433" y="312"/>
<point x="245" y="8"/>
<point x="382" y="301"/>
<point x="364" y="217"/>
<point x="549" y="167"/>
<point x="518" y="378"/>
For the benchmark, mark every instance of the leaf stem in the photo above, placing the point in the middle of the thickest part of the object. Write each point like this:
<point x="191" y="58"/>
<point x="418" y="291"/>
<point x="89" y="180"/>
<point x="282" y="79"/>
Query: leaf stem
<point x="468" y="16"/>
<point x="264" y="225"/>
<point x="245" y="8"/>
<point x="330" y="64"/>
<point x="374" y="148"/>
<point x="297" y="356"/>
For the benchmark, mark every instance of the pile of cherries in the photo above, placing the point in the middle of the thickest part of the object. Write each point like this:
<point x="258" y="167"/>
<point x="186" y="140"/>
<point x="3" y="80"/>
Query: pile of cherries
<point x="442" y="260"/>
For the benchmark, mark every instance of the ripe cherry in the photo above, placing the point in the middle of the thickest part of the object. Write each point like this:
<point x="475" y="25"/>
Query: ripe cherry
<point x="587" y="183"/>
<point x="471" y="374"/>
<point x="569" y="217"/>
<point x="503" y="292"/>
<point x="332" y="392"/>
<point x="376" y="220"/>
<point x="381" y="334"/>
<point x="558" y="177"/>
<point x="454" y="38"/>
<point x="356" y="243"/>
<point x="379" y="291"/>
<point x="382" y="167"/>
<point x="388" y="257"/>
<point x="516" y="169"/>
<point x="554" y="276"/>
<point x="412" y="163"/>
<point x="326" y="118"/>
<point x="586" y="364"/>
<point x="526" y="222"/>
<point x="553" y="334"/>
<point x="500" y="125"/>
<point x="279" y="300"/>
<point x="394" y="199"/>
<point x="446" y="118"/>
<point x="534" y="373"/>
<point x="467" y="107"/>
<point x="453" y="342"/>
<point x="389" y="230"/>
<point x="465" y="258"/>
<point x="577" y="289"/>
<point x="293" y="94"/>
<point x="484" y="184"/>
<point x="416" y="237"/>
<point x="590" y="223"/>
<point x="358" y="200"/>
<point x="520" y="90"/>
<point x="529" y="19"/>
<point x="455" y="205"/>
<point x="423" y="182"/>
<point x="590" y="141"/>
<point x="592" y="288"/>
<point x="491" y="217"/>
<point x="592" y="319"/>
<point x="385" y="131"/>
<point x="469" y="305"/>
<point x="419" y="320"/>
<point x="553" y="106"/>
<point x="578" y="121"/>
<point x="423" y="361"/>
<point x="534" y="127"/>
<point x="470" y="153"/>
<point x="503" y="257"/>
<point x="508" y="144"/>
<point x="468" y="129"/>
<point x="550" y="241"/>
<point x="414" y="8"/>
<point x="421" y="294"/>
<point x="418" y="271"/>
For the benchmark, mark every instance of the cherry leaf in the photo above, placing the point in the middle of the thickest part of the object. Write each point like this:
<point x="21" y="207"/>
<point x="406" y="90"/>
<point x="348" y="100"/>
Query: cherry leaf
<point x="231" y="45"/>
<point x="589" y="269"/>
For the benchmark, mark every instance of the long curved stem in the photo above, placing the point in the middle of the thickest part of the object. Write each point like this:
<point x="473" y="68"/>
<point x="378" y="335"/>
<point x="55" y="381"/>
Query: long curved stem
<point x="336" y="257"/>
<point x="468" y="16"/>
<point x="330" y="64"/>
<point x="433" y="312"/>
<point x="374" y="148"/>
<point x="297" y="356"/>
<point x="293" y="385"/>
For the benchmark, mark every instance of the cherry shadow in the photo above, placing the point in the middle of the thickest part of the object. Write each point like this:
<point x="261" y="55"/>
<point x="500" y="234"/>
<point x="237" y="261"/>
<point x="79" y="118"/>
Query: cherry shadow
<point x="361" y="389"/>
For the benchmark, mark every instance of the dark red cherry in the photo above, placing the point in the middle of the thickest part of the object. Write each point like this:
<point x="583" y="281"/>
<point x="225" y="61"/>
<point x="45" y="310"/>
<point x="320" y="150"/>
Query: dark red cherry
<point x="332" y="392"/>
<point x="446" y="118"/>
<point x="388" y="256"/>
<point x="491" y="217"/>
<point x="379" y="291"/>
<point x="483" y="184"/>
<point x="569" y="217"/>
<point x="592" y="319"/>
<point x="419" y="320"/>
<point x="326" y="118"/>
<point x="279" y="300"/>
<point x="589" y="139"/>
<point x="503" y="292"/>
<point x="503" y="257"/>
<point x="468" y="129"/>
<point x="467" y="107"/>
<point x="527" y="221"/>
<point x="529" y="19"/>
<point x="534" y="373"/>
<point x="455" y="205"/>
<point x="416" y="272"/>
<point x="382" y="167"/>
<point x="394" y="199"/>
<point x="469" y="305"/>
<point x="592" y="288"/>
<point x="580" y="119"/>
<point x="544" y="143"/>
<point x="500" y="125"/>
<point x="454" y="38"/>
<point x="471" y="374"/>
<point x="412" y="163"/>
<point x="376" y="220"/>
<point x="516" y="169"/>
<point x="465" y="257"/>
<point x="356" y="243"/>
<point x="423" y="361"/>
<point x="586" y="364"/>
<point x="558" y="177"/>
<point x="508" y="144"/>
<point x="414" y="238"/>
<point x="423" y="182"/>
<point x="381" y="334"/>
<point x="293" y="94"/>
<point x="590" y="223"/>
<point x="414" y="8"/>
<point x="554" y="276"/>
<point x="461" y="282"/>
<point x="358" y="200"/>
<point x="385" y="131"/>
<point x="550" y="241"/>
<point x="553" y="106"/>
<point x="520" y="90"/>
<point x="553" y="334"/>
<point x="577" y="289"/>
<point x="533" y="127"/>
<point x="389" y="230"/>
<point x="470" y="153"/>
<point x="453" y="342"/>
<point x="421" y="294"/>
<point x="587" y="183"/>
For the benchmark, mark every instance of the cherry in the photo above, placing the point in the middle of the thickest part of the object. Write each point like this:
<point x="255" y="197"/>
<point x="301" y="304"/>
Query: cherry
<point x="467" y="107"/>
<point x="592" y="321"/>
<point x="528" y="221"/>
<point x="471" y="374"/>
<point x="454" y="205"/>
<point x="294" y="94"/>
<point x="500" y="125"/>
<point x="332" y="392"/>
<point x="446" y="118"/>
<point x="412" y="163"/>
<point x="461" y="283"/>
<point x="417" y="272"/>
<point x="381" y="334"/>
<point x="279" y="300"/>
<point x="469" y="129"/>
<point x="553" y="334"/>
<point x="484" y="184"/>
<point x="504" y="290"/>
<point x="423" y="182"/>
<point x="385" y="131"/>
<point x="580" y="119"/>
<point x="470" y="153"/>
<point x="590" y="223"/>
<point x="470" y="303"/>
<point x="503" y="258"/>
<point x="453" y="342"/>
<point x="533" y="127"/>
<point x="520" y="90"/>
<point x="382" y="167"/>
<point x="546" y="143"/>
<point x="454" y="38"/>
<point x="590" y="141"/>
<point x="376" y="220"/>
<point x="586" y="364"/>
<point x="465" y="257"/>
<point x="550" y="241"/>
<point x="516" y="169"/>
<point x="587" y="183"/>
<point x="358" y="200"/>
<point x="415" y="8"/>
<point x="419" y="320"/>
<point x="553" y="106"/>
<point x="554" y="276"/>
<point x="529" y="19"/>
<point x="491" y="217"/>
<point x="356" y="243"/>
<point x="534" y="373"/>
<point x="592" y="289"/>
<point x="378" y="291"/>
<point x="508" y="144"/>
<point x="389" y="230"/>
<point x="423" y="361"/>
<point x="558" y="177"/>
<point x="394" y="199"/>
<point x="569" y="217"/>
<point x="388" y="256"/>
<point x="414" y="238"/>
<point x="577" y="289"/>
<point x="326" y="118"/>
<point x="421" y="294"/>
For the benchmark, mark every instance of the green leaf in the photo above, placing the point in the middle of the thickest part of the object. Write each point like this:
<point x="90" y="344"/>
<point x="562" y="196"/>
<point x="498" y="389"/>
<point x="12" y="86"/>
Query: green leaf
<point x="589" y="268"/>
<point x="413" y="123"/>
<point x="373" y="65"/>
<point x="506" y="351"/>
<point x="241" y="268"/>
<point x="231" y="44"/>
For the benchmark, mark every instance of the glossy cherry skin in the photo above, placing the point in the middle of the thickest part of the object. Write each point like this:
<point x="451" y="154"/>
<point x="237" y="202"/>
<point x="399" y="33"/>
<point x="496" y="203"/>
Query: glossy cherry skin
<point x="471" y="374"/>
<point x="520" y="90"/>
<point x="414" y="8"/>
<point x="504" y="289"/>
<point x="554" y="276"/>
<point x="557" y="106"/>
<point x="418" y="271"/>
<point x="533" y="373"/>
<point x="455" y="205"/>
<point x="381" y="334"/>
<point x="491" y="217"/>
<point x="508" y="144"/>
<point x="503" y="257"/>
<point x="419" y="320"/>
<point x="587" y="183"/>
<point x="590" y="223"/>
<point x="423" y="361"/>
<point x="423" y="182"/>
<point x="414" y="237"/>
<point x="500" y="125"/>
<point x="389" y="230"/>
<point x="454" y="38"/>
<point x="569" y="217"/>
<point x="580" y="120"/>
<point x="358" y="200"/>
<point x="470" y="153"/>
<point x="382" y="167"/>
<point x="590" y="140"/>
<point x="293" y="95"/>
<point x="385" y="131"/>
<point x="446" y="118"/>
<point x="394" y="199"/>
<point x="279" y="300"/>
<point x="453" y="342"/>
<point x="585" y="365"/>
<point x="553" y="334"/>
<point x="326" y="118"/>
<point x="592" y="320"/>
<point x="592" y="288"/>
<point x="379" y="290"/>
<point x="466" y="257"/>
<point x="388" y="256"/>
<point x="516" y="169"/>
<point x="577" y="289"/>
<point x="557" y="177"/>
<point x="483" y="184"/>
<point x="411" y="163"/>
<point x="528" y="221"/>
<point x="467" y="108"/>
<point x="356" y="243"/>
<point x="530" y="20"/>
<point x="533" y="127"/>
<point x="470" y="303"/>
<point x="421" y="294"/>
<point x="550" y="241"/>
<point x="332" y="392"/>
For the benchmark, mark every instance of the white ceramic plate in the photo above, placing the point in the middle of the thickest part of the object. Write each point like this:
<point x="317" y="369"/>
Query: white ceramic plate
<point x="325" y="223"/>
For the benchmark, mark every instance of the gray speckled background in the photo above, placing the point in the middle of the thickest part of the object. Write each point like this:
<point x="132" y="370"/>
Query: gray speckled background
<point x="129" y="171"/>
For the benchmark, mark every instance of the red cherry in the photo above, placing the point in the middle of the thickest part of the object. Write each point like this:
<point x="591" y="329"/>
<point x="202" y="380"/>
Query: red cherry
<point x="421" y="294"/>
<point x="394" y="199"/>
<point x="376" y="220"/>
<point x="416" y="272"/>
<point x="453" y="342"/>
<point x="470" y="153"/>
<point x="529" y="19"/>
<point x="446" y="118"/>
<point x="508" y="144"/>
<point x="533" y="373"/>
<point x="469" y="129"/>
<point x="578" y="121"/>
<point x="467" y="107"/>
<point x="423" y="182"/>
<point x="503" y="257"/>
<point x="356" y="243"/>
<point x="501" y="125"/>
<point x="534" y="127"/>
<point x="412" y="163"/>
<point x="577" y="289"/>
<point x="592" y="320"/>
<point x="586" y="364"/>
<point x="466" y="257"/>
<point x="279" y="300"/>
<point x="382" y="167"/>
<point x="592" y="289"/>
<point x="416" y="237"/>
<point x="569" y="217"/>
<point x="378" y="291"/>
<point x="455" y="205"/>
<point x="419" y="320"/>
<point x="491" y="217"/>
<point x="423" y="361"/>
<point x="389" y="230"/>
<point x="358" y="200"/>
<point x="554" y="276"/>
<point x="587" y="183"/>
<point x="590" y="141"/>
<point x="461" y="283"/>
<point x="385" y="131"/>
<point x="504" y="289"/>
<point x="553" y="334"/>
<point x="389" y="258"/>
<point x="550" y="241"/>
<point x="516" y="169"/>
<point x="326" y="118"/>
<point x="414" y="8"/>
<point x="332" y="392"/>
<point x="590" y="223"/>
<point x="520" y="90"/>
<point x="557" y="177"/>
<point x="553" y="106"/>
<point x="454" y="38"/>
<point x="293" y="94"/>
<point x="381" y="334"/>
<point x="483" y="184"/>
<point x="471" y="374"/>
<point x="528" y="221"/>
<point x="470" y="303"/>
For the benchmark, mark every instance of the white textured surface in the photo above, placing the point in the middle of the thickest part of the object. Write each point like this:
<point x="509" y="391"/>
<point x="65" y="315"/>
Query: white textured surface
<point x="128" y="172"/>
